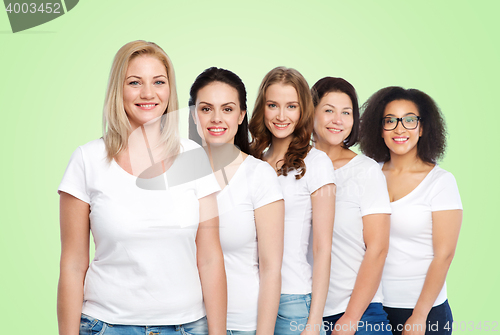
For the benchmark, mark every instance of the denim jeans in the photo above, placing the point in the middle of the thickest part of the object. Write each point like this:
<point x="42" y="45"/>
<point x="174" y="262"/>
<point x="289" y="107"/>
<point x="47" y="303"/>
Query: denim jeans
<point x="439" y="319"/>
<point x="373" y="321"/>
<point x="293" y="313"/>
<point x="89" y="325"/>
<point x="241" y="332"/>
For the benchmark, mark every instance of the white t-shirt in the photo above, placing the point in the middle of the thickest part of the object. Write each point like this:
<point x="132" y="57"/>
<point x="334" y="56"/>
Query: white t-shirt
<point x="410" y="246"/>
<point x="361" y="190"/>
<point x="296" y="272"/>
<point x="144" y="271"/>
<point x="254" y="185"/>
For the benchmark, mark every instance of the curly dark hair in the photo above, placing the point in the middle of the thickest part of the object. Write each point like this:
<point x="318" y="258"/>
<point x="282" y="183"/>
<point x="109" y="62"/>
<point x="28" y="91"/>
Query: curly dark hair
<point x="332" y="84"/>
<point x="214" y="74"/>
<point x="262" y="137"/>
<point x="431" y="145"/>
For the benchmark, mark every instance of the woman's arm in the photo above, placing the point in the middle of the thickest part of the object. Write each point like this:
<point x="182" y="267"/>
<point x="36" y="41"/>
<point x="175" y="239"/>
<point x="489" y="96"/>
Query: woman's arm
<point x="376" y="228"/>
<point x="269" y="220"/>
<point x="445" y="230"/>
<point x="211" y="266"/>
<point x="75" y="233"/>
<point x="323" y="214"/>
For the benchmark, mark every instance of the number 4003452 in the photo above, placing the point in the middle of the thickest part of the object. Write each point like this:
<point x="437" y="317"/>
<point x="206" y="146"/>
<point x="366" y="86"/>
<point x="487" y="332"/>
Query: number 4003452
<point x="33" y="8"/>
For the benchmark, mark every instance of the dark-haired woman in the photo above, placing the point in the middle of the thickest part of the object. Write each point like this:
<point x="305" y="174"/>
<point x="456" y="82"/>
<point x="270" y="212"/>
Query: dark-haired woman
<point x="404" y="130"/>
<point x="281" y="127"/>
<point x="251" y="209"/>
<point x="362" y="214"/>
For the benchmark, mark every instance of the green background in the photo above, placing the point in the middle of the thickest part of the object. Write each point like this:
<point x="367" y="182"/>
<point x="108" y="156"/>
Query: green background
<point x="53" y="81"/>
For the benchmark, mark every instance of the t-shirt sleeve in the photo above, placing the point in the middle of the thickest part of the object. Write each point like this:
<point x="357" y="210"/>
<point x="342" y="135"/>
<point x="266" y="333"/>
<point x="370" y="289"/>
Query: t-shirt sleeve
<point x="74" y="181"/>
<point x="265" y="187"/>
<point x="319" y="172"/>
<point x="374" y="195"/>
<point x="207" y="184"/>
<point x="445" y="195"/>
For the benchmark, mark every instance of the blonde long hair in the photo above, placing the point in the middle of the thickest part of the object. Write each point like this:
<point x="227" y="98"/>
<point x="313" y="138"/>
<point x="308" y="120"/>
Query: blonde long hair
<point x="116" y="125"/>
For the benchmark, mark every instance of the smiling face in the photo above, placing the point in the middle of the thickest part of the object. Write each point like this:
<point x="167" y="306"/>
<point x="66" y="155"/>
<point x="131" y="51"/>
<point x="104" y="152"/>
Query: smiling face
<point x="218" y="113"/>
<point x="146" y="90"/>
<point x="400" y="140"/>
<point x="282" y="110"/>
<point x="333" y="118"/>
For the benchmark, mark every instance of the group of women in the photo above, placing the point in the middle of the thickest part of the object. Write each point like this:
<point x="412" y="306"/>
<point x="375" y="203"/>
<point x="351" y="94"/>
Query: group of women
<point x="289" y="232"/>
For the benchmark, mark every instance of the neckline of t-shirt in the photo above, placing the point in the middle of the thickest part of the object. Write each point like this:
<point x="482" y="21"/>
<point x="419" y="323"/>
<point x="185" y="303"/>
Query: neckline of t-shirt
<point x="236" y="173"/>
<point x="131" y="176"/>
<point x="350" y="162"/>
<point x="418" y="186"/>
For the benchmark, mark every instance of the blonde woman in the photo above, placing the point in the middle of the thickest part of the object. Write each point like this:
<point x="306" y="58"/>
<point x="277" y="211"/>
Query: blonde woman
<point x="281" y="127"/>
<point x="153" y="266"/>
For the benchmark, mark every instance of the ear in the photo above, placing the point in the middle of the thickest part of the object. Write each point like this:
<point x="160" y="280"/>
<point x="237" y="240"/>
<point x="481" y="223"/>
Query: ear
<point x="420" y="131"/>
<point x="192" y="111"/>
<point x="242" y="116"/>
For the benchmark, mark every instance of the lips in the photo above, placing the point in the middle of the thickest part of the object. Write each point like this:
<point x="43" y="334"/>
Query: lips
<point x="217" y="131"/>
<point x="147" y="106"/>
<point x="281" y="126"/>
<point x="400" y="140"/>
<point x="334" y="130"/>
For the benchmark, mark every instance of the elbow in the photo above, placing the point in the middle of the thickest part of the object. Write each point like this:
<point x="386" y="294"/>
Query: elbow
<point x="270" y="269"/>
<point x="445" y="258"/>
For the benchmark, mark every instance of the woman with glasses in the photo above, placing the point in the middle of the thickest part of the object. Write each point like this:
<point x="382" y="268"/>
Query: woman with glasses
<point x="405" y="131"/>
<point x="362" y="215"/>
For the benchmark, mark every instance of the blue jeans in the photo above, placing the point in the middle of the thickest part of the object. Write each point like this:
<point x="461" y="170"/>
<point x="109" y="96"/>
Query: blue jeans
<point x="439" y="319"/>
<point x="241" y="332"/>
<point x="293" y="313"/>
<point x="373" y="321"/>
<point x="89" y="325"/>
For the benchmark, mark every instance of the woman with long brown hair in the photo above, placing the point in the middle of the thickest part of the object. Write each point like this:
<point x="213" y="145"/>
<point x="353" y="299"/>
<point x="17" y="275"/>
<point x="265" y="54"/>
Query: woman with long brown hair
<point x="281" y="127"/>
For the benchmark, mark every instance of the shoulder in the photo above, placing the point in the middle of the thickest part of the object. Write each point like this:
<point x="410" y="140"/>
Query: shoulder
<point x="441" y="176"/>
<point x="257" y="167"/>
<point x="187" y="145"/>
<point x="94" y="146"/>
<point x="93" y="150"/>
<point x="315" y="156"/>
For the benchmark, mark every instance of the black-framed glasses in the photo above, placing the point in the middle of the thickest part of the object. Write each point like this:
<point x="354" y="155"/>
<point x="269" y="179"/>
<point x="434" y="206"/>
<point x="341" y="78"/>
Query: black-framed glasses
<point x="410" y="122"/>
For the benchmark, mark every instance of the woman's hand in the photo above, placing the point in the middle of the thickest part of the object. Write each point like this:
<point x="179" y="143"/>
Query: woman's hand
<point x="415" y="326"/>
<point x="345" y="326"/>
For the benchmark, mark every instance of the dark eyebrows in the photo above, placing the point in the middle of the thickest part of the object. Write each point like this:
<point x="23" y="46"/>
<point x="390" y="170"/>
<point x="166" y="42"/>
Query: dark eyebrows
<point x="407" y="114"/>
<point x="289" y="102"/>
<point x="225" y="104"/>
<point x="206" y="103"/>
<point x="336" y="107"/>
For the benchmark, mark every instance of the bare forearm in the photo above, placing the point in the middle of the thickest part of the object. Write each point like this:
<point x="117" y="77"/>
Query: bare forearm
<point x="214" y="287"/>
<point x="367" y="283"/>
<point x="320" y="283"/>
<point x="269" y="299"/>
<point x="434" y="281"/>
<point x="69" y="302"/>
